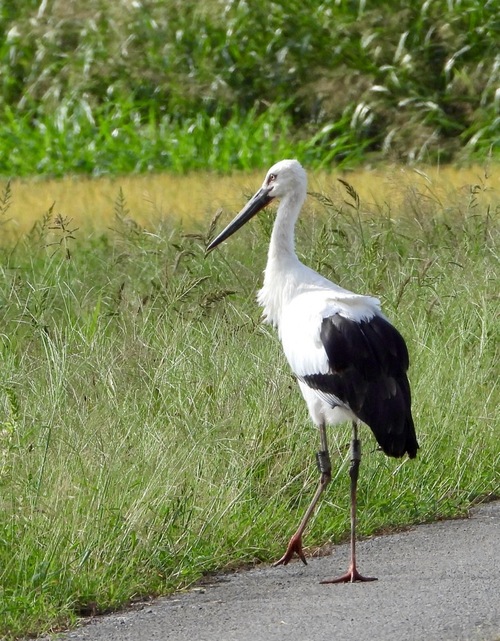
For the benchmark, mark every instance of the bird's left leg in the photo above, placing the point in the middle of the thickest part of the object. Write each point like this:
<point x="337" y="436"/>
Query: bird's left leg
<point x="325" y="468"/>
<point x="352" y="573"/>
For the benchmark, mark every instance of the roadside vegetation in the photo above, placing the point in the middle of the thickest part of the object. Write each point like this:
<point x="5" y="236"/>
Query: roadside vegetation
<point x="112" y="87"/>
<point x="151" y="431"/>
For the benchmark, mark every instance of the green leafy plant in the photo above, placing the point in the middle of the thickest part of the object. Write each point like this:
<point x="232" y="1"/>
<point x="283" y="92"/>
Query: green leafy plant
<point x="226" y="85"/>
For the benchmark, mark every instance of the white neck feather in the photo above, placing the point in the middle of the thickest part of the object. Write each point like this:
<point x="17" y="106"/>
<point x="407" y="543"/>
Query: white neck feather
<point x="282" y="244"/>
<point x="282" y="262"/>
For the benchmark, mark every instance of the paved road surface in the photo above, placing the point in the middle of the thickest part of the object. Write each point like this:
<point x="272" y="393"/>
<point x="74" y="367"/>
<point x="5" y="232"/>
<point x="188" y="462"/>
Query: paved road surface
<point x="437" y="582"/>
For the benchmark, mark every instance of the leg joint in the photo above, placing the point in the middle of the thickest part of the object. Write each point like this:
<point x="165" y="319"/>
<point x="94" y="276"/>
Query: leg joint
<point x="355" y="450"/>
<point x="323" y="461"/>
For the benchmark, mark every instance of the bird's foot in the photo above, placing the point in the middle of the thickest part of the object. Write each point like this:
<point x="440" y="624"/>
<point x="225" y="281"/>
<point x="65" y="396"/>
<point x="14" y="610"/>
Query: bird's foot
<point x="294" y="547"/>
<point x="351" y="576"/>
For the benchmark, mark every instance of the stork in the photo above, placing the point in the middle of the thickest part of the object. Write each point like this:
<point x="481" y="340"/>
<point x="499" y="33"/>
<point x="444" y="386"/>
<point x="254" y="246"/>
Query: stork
<point x="349" y="361"/>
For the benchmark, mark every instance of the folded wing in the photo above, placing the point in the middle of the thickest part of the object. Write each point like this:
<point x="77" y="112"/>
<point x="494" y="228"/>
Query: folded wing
<point x="357" y="360"/>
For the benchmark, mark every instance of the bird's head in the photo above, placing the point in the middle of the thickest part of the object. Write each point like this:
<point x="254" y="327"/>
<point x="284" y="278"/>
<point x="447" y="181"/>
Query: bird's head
<point x="285" y="178"/>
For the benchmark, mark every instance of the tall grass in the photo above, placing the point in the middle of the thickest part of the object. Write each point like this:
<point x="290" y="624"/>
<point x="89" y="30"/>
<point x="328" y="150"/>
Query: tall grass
<point x="150" y="429"/>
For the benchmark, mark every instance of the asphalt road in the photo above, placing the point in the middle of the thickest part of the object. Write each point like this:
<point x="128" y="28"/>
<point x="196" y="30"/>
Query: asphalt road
<point x="437" y="582"/>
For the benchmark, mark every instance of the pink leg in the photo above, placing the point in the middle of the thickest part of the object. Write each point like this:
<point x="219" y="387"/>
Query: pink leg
<point x="295" y="544"/>
<point x="352" y="573"/>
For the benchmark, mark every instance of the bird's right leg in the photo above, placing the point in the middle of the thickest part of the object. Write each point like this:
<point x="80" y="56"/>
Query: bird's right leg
<point x="352" y="574"/>
<point x="325" y="468"/>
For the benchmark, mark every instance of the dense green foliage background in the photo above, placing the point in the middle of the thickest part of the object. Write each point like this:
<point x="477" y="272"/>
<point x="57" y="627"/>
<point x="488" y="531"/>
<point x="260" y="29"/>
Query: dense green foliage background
<point x="100" y="86"/>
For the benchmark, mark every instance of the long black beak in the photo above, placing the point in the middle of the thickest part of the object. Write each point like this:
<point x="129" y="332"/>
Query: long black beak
<point x="254" y="205"/>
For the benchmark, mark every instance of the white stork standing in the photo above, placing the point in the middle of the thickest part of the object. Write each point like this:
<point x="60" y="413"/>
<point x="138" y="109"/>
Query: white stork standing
<point x="350" y="362"/>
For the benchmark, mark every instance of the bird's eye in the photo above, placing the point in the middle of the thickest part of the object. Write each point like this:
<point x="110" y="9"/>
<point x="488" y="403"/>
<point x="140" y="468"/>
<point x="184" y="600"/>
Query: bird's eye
<point x="271" y="178"/>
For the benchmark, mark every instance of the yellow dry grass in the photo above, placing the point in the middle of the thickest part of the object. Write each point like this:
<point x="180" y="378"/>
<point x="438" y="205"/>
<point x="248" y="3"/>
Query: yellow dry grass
<point x="90" y="202"/>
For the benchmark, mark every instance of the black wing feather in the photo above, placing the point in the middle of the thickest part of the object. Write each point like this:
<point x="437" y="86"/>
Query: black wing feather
<point x="368" y="363"/>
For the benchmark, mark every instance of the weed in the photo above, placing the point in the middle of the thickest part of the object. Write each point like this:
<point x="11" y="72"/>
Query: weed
<point x="5" y="200"/>
<point x="65" y="232"/>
